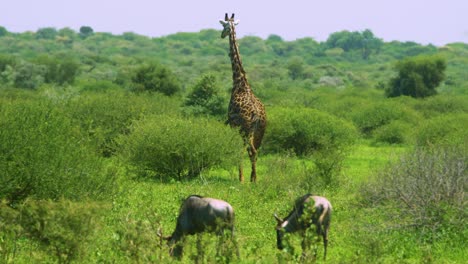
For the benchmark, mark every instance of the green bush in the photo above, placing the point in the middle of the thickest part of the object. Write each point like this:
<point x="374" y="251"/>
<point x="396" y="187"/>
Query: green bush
<point x="442" y="104"/>
<point x="172" y="147"/>
<point x="42" y="155"/>
<point x="374" y="115"/>
<point x="396" y="132"/>
<point x="155" y="78"/>
<point x="204" y="99"/>
<point x="106" y="115"/>
<point x="60" y="70"/>
<point x="445" y="129"/>
<point x="61" y="228"/>
<point x="310" y="133"/>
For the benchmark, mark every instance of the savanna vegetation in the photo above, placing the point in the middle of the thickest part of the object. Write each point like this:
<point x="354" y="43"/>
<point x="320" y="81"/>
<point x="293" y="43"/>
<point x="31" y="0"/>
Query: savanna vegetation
<point x="102" y="136"/>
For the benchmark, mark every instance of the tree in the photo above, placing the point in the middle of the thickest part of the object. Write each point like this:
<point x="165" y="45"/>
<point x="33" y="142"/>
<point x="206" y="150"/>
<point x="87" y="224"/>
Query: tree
<point x="58" y="70"/>
<point x="364" y="41"/>
<point x="3" y="31"/>
<point x="46" y="33"/>
<point x="86" y="31"/>
<point x="155" y="78"/>
<point x="296" y="68"/>
<point x="417" y="76"/>
<point x="204" y="98"/>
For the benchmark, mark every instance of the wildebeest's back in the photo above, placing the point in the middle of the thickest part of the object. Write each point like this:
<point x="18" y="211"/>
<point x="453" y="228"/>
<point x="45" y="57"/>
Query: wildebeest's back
<point x="204" y="214"/>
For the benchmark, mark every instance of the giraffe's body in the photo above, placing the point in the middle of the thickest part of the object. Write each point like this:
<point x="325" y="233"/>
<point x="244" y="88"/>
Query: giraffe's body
<point x="245" y="110"/>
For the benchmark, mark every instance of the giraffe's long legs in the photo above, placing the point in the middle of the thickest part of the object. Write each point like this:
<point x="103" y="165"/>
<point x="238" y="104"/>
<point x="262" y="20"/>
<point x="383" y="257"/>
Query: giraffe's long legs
<point x="253" y="159"/>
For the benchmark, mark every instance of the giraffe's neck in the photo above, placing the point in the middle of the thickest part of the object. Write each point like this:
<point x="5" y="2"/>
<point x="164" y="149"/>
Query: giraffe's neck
<point x="239" y="79"/>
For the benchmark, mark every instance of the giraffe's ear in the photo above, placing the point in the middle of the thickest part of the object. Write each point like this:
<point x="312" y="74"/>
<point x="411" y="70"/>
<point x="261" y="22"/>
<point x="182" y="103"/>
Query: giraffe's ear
<point x="222" y="22"/>
<point x="226" y="17"/>
<point x="236" y="22"/>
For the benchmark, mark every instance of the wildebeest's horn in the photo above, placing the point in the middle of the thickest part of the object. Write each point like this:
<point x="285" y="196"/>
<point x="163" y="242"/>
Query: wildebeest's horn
<point x="278" y="219"/>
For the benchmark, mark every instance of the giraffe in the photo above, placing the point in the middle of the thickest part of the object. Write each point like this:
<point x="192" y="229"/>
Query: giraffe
<point x="245" y="111"/>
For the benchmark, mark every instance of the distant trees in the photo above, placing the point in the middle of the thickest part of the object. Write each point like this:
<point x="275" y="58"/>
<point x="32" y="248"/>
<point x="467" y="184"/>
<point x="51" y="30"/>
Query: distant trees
<point x="58" y="71"/>
<point x="3" y="31"/>
<point x="46" y="33"/>
<point x="86" y="31"/>
<point x="417" y="76"/>
<point x="364" y="41"/>
<point x="32" y="74"/>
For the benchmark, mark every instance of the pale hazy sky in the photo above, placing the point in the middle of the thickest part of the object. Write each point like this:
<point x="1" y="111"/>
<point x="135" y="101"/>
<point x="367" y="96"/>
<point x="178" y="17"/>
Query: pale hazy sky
<point x="423" y="21"/>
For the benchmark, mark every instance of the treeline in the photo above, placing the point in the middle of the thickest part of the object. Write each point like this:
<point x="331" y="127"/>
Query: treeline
<point x="342" y="59"/>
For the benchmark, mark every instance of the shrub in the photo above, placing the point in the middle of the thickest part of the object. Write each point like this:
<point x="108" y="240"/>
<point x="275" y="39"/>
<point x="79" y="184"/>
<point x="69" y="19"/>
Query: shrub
<point x="204" y="98"/>
<point x="62" y="228"/>
<point x="424" y="190"/>
<point x="58" y="70"/>
<point x="375" y="115"/>
<point x="174" y="147"/>
<point x="155" y="78"/>
<point x="444" y="129"/>
<point x="396" y="132"/>
<point x="43" y="155"/>
<point x="310" y="133"/>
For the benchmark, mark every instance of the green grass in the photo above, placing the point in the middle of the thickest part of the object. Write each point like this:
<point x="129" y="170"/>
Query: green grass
<point x="357" y="234"/>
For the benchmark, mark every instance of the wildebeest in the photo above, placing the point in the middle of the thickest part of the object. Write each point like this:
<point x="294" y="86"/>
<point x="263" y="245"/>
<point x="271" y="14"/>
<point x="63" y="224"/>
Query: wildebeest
<point x="199" y="214"/>
<point x="298" y="220"/>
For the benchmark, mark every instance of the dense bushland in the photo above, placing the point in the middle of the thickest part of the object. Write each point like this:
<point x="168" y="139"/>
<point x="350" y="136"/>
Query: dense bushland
<point x="311" y="133"/>
<point x="43" y="156"/>
<point x="162" y="146"/>
<point x="102" y="137"/>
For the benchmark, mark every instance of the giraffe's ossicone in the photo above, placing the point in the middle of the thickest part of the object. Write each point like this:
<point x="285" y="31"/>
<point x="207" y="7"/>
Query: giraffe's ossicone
<point x="245" y="110"/>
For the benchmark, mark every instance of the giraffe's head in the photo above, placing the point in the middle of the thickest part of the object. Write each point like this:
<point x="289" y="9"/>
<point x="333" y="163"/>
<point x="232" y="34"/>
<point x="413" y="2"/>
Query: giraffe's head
<point x="228" y="25"/>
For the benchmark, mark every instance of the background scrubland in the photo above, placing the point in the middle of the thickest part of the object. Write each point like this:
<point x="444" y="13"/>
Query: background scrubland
<point x="102" y="136"/>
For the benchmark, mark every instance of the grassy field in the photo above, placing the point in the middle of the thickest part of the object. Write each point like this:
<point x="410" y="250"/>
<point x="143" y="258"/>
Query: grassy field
<point x="358" y="235"/>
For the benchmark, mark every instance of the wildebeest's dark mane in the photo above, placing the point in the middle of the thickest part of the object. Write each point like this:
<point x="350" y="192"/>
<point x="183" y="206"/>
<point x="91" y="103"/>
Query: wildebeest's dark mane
<point x="299" y="205"/>
<point x="195" y="195"/>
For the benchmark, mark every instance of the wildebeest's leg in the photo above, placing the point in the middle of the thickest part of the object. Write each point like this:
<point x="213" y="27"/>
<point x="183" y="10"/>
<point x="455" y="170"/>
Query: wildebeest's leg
<point x="200" y="255"/>
<point x="234" y="241"/>
<point x="325" y="242"/>
<point x="177" y="250"/>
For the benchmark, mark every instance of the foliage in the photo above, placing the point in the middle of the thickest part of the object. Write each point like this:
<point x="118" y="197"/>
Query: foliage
<point x="364" y="41"/>
<point x="86" y="31"/>
<point x="395" y="132"/>
<point x="58" y="70"/>
<point x="25" y="75"/>
<point x="172" y="147"/>
<point x="3" y="31"/>
<point x="374" y="115"/>
<point x="425" y="190"/>
<point x="309" y="132"/>
<point x="107" y="115"/>
<point x="449" y="129"/>
<point x="155" y="78"/>
<point x="204" y="98"/>
<point x="63" y="228"/>
<point x="44" y="156"/>
<point x="417" y="76"/>
<point x="46" y="33"/>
